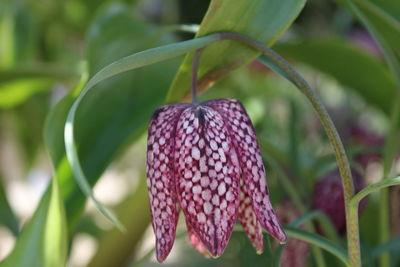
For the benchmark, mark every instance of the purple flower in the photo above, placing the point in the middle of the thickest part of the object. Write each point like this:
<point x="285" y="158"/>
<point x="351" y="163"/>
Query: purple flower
<point x="205" y="159"/>
<point x="328" y="197"/>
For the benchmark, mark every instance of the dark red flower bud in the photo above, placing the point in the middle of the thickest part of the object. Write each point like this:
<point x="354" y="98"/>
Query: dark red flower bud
<point x="328" y="197"/>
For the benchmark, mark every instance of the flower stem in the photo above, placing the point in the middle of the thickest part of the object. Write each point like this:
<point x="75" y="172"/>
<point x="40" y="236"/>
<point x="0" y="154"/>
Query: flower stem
<point x="353" y="241"/>
<point x="195" y="68"/>
<point x="390" y="145"/>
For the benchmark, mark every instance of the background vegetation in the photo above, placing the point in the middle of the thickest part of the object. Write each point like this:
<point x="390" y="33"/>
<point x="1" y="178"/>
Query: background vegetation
<point x="348" y="51"/>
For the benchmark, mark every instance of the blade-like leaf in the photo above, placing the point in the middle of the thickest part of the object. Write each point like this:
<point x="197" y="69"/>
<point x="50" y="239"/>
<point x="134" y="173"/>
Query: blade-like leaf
<point x="349" y="65"/>
<point x="43" y="241"/>
<point x="392" y="7"/>
<point x="264" y="20"/>
<point x="392" y="245"/>
<point x="380" y="24"/>
<point x="326" y="224"/>
<point x="374" y="187"/>
<point x="387" y="26"/>
<point x="319" y="241"/>
<point x="7" y="216"/>
<point x="119" y="109"/>
<point x="314" y="239"/>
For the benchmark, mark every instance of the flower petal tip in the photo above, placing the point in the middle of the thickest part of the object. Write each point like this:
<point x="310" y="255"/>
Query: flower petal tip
<point x="283" y="240"/>
<point x="259" y="252"/>
<point x="162" y="251"/>
<point x="281" y="236"/>
<point x="161" y="256"/>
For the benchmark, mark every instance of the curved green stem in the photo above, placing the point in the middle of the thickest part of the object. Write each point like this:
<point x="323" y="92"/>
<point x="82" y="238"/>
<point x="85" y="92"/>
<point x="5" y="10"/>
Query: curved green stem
<point x="390" y="145"/>
<point x="354" y="203"/>
<point x="353" y="239"/>
<point x="169" y="51"/>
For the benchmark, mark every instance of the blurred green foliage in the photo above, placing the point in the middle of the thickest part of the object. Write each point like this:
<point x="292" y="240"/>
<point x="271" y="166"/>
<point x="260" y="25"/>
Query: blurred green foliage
<point x="49" y="49"/>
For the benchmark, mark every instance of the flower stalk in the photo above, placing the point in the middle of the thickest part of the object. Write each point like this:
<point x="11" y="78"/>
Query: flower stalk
<point x="195" y="67"/>
<point x="169" y="51"/>
<point x="353" y="239"/>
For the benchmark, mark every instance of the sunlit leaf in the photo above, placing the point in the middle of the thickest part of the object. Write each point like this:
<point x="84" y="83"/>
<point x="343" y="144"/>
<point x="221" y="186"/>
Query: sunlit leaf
<point x="43" y="241"/>
<point x="15" y="92"/>
<point x="264" y="20"/>
<point x="117" y="111"/>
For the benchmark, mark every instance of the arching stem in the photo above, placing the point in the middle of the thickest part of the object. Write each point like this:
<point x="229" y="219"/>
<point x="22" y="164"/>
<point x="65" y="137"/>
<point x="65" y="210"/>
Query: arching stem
<point x="353" y="239"/>
<point x="195" y="68"/>
<point x="169" y="51"/>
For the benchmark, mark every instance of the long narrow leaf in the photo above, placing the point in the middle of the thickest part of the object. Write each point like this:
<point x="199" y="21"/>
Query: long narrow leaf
<point x="43" y="241"/>
<point x="375" y="187"/>
<point x="7" y="216"/>
<point x="324" y="221"/>
<point x="318" y="241"/>
<point x="134" y="61"/>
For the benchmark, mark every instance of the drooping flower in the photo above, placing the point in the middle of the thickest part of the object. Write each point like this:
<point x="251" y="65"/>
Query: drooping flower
<point x="205" y="159"/>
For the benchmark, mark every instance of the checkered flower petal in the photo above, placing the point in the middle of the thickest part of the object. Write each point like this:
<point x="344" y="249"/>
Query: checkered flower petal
<point x="249" y="222"/>
<point x="161" y="176"/>
<point x="245" y="141"/>
<point x="205" y="159"/>
<point x="208" y="176"/>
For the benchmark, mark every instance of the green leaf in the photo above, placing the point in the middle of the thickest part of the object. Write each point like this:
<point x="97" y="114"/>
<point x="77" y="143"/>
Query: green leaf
<point x="392" y="7"/>
<point x="7" y="216"/>
<point x="319" y="241"/>
<point x="15" y="92"/>
<point x="326" y="224"/>
<point x="18" y="33"/>
<point x="391" y="245"/>
<point x="348" y="64"/>
<point x="7" y="38"/>
<point x="44" y="71"/>
<point x="118" y="110"/>
<point x="374" y="187"/>
<point x="43" y="241"/>
<point x="264" y="20"/>
<point x="385" y="24"/>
